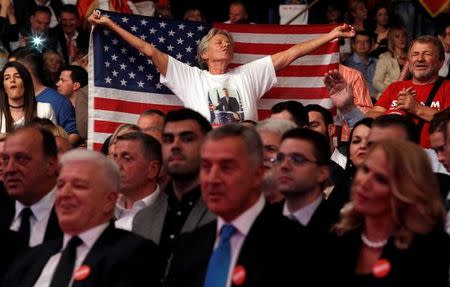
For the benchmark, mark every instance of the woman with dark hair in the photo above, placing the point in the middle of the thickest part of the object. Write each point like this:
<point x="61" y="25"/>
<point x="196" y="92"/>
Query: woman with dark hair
<point x="392" y="231"/>
<point x="18" y="104"/>
<point x="379" y="27"/>
<point x="357" y="147"/>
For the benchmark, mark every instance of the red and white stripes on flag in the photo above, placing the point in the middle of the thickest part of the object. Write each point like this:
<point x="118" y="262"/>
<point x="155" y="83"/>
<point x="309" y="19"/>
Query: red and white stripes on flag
<point x="302" y="80"/>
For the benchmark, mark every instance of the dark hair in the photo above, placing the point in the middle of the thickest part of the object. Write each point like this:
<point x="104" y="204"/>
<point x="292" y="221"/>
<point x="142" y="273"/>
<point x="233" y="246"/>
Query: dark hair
<point x="29" y="100"/>
<point x="249" y="137"/>
<point x="362" y="33"/>
<point x="326" y="114"/>
<point x="150" y="145"/>
<point x="42" y="122"/>
<point x="78" y="74"/>
<point x="43" y="9"/>
<point x="403" y="122"/>
<point x="296" y="109"/>
<point x="31" y="59"/>
<point x="69" y="8"/>
<point x="317" y="140"/>
<point x="188" y="114"/>
<point x="151" y="112"/>
<point x="438" y="123"/>
<point x="48" y="140"/>
<point x="350" y="169"/>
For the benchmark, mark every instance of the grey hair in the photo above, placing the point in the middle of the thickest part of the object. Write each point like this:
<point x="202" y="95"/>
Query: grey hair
<point x="277" y="126"/>
<point x="249" y="136"/>
<point x="428" y="39"/>
<point x="204" y="42"/>
<point x="111" y="172"/>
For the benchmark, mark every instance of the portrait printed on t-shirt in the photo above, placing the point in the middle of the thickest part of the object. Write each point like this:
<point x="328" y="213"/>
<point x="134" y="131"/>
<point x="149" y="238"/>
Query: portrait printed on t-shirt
<point x="225" y="106"/>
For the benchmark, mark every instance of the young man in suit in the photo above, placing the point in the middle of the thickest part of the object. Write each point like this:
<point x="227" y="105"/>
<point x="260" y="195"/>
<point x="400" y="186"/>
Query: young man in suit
<point x="179" y="208"/>
<point x="92" y="252"/>
<point x="249" y="244"/>
<point x="30" y="167"/>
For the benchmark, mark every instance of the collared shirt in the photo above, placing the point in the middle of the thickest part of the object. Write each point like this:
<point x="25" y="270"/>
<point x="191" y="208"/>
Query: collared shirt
<point x="176" y="215"/>
<point x="242" y="223"/>
<point x="303" y="215"/>
<point x="339" y="158"/>
<point x="443" y="72"/>
<point x="38" y="221"/>
<point x="88" y="238"/>
<point x="124" y="216"/>
<point x="54" y="19"/>
<point x="368" y="70"/>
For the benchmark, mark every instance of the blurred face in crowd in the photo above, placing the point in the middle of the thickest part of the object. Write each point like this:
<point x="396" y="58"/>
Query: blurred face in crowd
<point x="424" y="63"/>
<point x="360" y="11"/>
<point x="400" y="39"/>
<point x="382" y="17"/>
<point x="237" y="14"/>
<point x="26" y="168"/>
<point x="372" y="186"/>
<point x="271" y="143"/>
<point x="359" y="145"/>
<point x="181" y="144"/>
<point x="68" y="22"/>
<point x="229" y="179"/>
<point x="362" y="45"/>
<point x="152" y="125"/>
<point x="193" y="15"/>
<point x="437" y="142"/>
<point x="13" y="84"/>
<point x="84" y="197"/>
<point x="52" y="61"/>
<point x="40" y="22"/>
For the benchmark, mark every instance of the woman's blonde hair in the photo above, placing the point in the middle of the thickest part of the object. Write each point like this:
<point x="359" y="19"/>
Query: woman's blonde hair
<point x="415" y="202"/>
<point x="121" y="130"/>
<point x="391" y="35"/>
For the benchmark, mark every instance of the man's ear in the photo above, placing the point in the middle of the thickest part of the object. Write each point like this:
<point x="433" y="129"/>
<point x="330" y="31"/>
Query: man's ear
<point x="76" y="86"/>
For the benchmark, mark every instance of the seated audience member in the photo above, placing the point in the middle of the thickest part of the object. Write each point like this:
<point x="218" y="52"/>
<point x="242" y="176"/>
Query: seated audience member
<point x="92" y="252"/>
<point x="53" y="63"/>
<point x="120" y="130"/>
<point x="194" y="14"/>
<point x="151" y="122"/>
<point x="357" y="14"/>
<point x="391" y="234"/>
<point x="292" y="111"/>
<point x="444" y="35"/>
<point x="238" y="13"/>
<point x="36" y="28"/>
<point x="303" y="174"/>
<point x="379" y="29"/>
<point x="31" y="184"/>
<point x="231" y="172"/>
<point x="18" y="105"/>
<point x="361" y="61"/>
<point x="139" y="158"/>
<point x="392" y="62"/>
<point x="424" y="95"/>
<point x="271" y="131"/>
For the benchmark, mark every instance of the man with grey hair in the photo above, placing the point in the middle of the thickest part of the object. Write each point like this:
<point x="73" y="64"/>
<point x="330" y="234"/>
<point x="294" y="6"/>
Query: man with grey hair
<point x="271" y="131"/>
<point x="249" y="243"/>
<point x="92" y="251"/>
<point x="248" y="82"/>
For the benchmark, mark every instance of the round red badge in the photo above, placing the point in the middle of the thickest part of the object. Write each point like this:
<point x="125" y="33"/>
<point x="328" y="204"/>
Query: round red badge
<point x="239" y="275"/>
<point x="381" y="268"/>
<point x="82" y="273"/>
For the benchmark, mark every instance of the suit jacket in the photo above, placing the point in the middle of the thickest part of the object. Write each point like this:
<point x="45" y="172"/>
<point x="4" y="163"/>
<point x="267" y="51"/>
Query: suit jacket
<point x="424" y="263"/>
<point x="117" y="258"/>
<point x="149" y="221"/>
<point x="444" y="185"/>
<point x="81" y="111"/>
<point x="10" y="247"/>
<point x="232" y="105"/>
<point x="276" y="252"/>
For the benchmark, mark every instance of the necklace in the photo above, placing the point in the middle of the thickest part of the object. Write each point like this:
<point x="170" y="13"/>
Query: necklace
<point x="16" y="107"/>
<point x="373" y="244"/>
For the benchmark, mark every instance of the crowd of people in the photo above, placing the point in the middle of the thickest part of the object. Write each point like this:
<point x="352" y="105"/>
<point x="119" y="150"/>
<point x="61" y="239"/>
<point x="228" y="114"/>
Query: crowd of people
<point x="354" y="196"/>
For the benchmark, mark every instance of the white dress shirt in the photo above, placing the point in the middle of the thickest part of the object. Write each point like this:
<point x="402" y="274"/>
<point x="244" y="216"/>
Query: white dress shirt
<point x="303" y="215"/>
<point x="124" y="216"/>
<point x="242" y="223"/>
<point x="88" y="239"/>
<point x="38" y="221"/>
<point x="339" y="158"/>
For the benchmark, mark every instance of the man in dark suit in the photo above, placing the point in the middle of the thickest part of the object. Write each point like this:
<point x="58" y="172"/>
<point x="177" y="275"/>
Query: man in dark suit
<point x="93" y="252"/>
<point x="179" y="208"/>
<point x="303" y="173"/>
<point x="30" y="167"/>
<point x="227" y="103"/>
<point x="249" y="244"/>
<point x="69" y="39"/>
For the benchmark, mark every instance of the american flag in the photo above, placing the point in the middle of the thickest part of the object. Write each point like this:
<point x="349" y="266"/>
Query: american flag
<point x="125" y="82"/>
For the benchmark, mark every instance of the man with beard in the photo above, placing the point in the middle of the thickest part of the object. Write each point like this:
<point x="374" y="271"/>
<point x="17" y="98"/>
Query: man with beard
<point x="425" y="94"/>
<point x="180" y="208"/>
<point x="270" y="131"/>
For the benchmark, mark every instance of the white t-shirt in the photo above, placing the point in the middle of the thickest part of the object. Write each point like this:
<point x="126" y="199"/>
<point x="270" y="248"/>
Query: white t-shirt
<point x="44" y="110"/>
<point x="199" y="90"/>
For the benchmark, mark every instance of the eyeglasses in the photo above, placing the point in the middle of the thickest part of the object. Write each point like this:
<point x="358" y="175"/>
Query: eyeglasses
<point x="295" y="158"/>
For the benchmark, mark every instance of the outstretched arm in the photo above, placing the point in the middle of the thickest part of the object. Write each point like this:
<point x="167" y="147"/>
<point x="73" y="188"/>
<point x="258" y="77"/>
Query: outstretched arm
<point x="159" y="58"/>
<point x="284" y="58"/>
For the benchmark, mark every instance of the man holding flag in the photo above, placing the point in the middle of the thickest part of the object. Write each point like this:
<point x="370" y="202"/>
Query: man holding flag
<point x="248" y="82"/>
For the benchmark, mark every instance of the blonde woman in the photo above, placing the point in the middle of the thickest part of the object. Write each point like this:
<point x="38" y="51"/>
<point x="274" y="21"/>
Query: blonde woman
<point x="391" y="234"/>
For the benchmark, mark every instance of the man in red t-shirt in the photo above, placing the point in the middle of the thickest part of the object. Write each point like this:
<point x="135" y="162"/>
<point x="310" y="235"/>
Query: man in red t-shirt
<point x="425" y="57"/>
